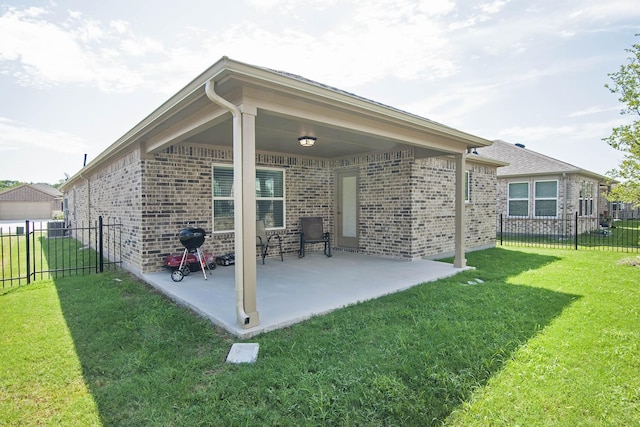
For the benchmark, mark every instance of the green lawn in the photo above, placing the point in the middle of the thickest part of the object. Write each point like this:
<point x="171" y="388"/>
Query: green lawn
<point x="13" y="254"/>
<point x="49" y="258"/>
<point x="623" y="236"/>
<point x="547" y="338"/>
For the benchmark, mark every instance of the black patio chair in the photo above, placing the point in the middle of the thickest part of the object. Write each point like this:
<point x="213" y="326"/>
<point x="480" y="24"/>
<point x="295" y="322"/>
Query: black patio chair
<point x="311" y="231"/>
<point x="263" y="241"/>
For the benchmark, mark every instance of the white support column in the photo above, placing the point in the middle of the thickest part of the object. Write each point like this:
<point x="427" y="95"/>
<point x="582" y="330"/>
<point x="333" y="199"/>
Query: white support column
<point x="460" y="260"/>
<point x="244" y="197"/>
<point x="245" y="225"/>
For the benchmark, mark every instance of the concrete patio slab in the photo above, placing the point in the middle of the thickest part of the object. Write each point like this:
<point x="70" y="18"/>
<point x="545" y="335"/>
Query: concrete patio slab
<point x="294" y="290"/>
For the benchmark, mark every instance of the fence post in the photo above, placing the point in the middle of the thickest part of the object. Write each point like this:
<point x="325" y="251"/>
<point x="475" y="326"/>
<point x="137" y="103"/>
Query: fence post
<point x="26" y="235"/>
<point x="500" y="229"/>
<point x="100" y="244"/>
<point x="575" y="230"/>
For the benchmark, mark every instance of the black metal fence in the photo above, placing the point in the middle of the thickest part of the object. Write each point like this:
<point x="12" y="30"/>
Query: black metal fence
<point x="572" y="232"/>
<point x="46" y="250"/>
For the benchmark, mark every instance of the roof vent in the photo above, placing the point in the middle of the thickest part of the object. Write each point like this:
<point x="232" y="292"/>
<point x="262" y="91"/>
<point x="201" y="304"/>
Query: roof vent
<point x="520" y="145"/>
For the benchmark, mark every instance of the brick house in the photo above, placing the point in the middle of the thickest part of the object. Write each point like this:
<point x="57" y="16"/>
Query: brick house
<point x="226" y="150"/>
<point x="536" y="187"/>
<point x="30" y="201"/>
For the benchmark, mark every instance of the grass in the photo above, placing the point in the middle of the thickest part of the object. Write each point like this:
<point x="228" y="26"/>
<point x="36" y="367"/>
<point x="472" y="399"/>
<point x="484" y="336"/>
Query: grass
<point x="50" y="258"/>
<point x="625" y="233"/>
<point x="585" y="368"/>
<point x="41" y="379"/>
<point x="12" y="262"/>
<point x="548" y="338"/>
<point x="623" y="236"/>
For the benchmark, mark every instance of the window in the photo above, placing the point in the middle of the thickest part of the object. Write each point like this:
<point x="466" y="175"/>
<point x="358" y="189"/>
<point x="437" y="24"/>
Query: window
<point x="222" y="198"/>
<point x="617" y="206"/>
<point x="585" y="203"/>
<point x="546" y="198"/>
<point x="518" y="199"/>
<point x="581" y="201"/>
<point x="270" y="200"/>
<point x="270" y="197"/>
<point x="467" y="186"/>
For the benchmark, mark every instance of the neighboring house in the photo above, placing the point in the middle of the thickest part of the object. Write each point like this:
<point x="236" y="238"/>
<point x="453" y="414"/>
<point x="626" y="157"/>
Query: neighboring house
<point x="30" y="201"/>
<point x="228" y="149"/>
<point x="535" y="186"/>
<point x="621" y="210"/>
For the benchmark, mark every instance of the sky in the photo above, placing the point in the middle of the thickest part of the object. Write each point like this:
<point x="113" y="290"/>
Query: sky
<point x="76" y="75"/>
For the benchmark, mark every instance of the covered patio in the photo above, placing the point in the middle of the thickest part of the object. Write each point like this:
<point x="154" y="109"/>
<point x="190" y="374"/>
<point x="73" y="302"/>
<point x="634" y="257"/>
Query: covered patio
<point x="241" y="144"/>
<point x="294" y="290"/>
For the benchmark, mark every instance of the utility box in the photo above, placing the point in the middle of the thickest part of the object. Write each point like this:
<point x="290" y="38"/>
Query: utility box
<point x="55" y="229"/>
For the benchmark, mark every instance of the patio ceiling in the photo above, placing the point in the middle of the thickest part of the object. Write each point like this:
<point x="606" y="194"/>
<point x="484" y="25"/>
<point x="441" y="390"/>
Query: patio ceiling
<point x="278" y="133"/>
<point x="340" y="133"/>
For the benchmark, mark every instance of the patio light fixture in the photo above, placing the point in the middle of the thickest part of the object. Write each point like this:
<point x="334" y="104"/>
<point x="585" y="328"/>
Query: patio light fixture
<point x="307" y="141"/>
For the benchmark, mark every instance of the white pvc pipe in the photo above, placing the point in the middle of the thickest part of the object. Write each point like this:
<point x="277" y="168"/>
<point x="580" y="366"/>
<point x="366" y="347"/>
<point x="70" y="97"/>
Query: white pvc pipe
<point x="238" y="196"/>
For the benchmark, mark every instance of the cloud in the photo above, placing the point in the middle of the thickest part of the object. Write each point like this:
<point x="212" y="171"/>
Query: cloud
<point x="44" y="51"/>
<point x="481" y="13"/>
<point x="364" y="41"/>
<point x="40" y="52"/>
<point x="375" y="40"/>
<point x="595" y="110"/>
<point x="493" y="7"/>
<point x="288" y="5"/>
<point x="605" y="11"/>
<point x="18" y="136"/>
<point x="436" y="7"/>
<point x="405" y="39"/>
<point x="450" y="106"/>
<point x="593" y="131"/>
<point x="569" y="143"/>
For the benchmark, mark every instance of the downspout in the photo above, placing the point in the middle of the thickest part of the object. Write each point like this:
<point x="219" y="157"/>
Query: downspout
<point x="88" y="199"/>
<point x="238" y="197"/>
<point x="564" y="205"/>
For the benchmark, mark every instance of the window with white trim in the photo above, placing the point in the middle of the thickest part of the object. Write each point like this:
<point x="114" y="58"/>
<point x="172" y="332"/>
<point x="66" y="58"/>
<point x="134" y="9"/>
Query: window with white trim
<point x="270" y="202"/>
<point x="546" y="198"/>
<point x="518" y="199"/>
<point x="270" y="197"/>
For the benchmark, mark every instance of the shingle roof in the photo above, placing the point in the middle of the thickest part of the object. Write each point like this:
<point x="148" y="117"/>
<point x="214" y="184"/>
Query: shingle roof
<point x="523" y="161"/>
<point x="44" y="188"/>
<point x="350" y="94"/>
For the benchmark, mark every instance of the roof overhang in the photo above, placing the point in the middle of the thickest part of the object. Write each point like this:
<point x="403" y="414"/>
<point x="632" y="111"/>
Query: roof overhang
<point x="476" y="158"/>
<point x="286" y="107"/>
<point x="598" y="177"/>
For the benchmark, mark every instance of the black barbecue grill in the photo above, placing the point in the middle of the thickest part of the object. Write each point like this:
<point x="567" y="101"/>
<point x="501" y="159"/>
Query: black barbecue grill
<point x="192" y="239"/>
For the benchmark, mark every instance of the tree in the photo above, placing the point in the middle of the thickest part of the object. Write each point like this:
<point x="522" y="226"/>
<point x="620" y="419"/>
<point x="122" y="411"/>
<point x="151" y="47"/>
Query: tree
<point x="626" y="138"/>
<point x="6" y="184"/>
<point x="59" y="183"/>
